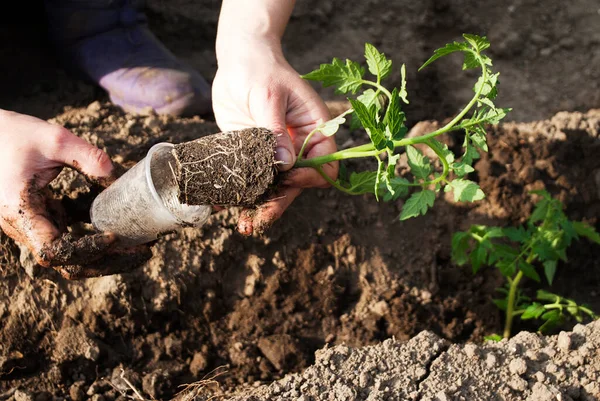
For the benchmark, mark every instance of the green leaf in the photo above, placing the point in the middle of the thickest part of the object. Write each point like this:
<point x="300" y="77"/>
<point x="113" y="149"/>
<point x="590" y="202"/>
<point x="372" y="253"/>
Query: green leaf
<point x="378" y="64"/>
<point x="517" y="234"/>
<point x="399" y="186"/>
<point x="345" y="77"/>
<point x="478" y="258"/>
<point x="419" y="164"/>
<point x="444" y="51"/>
<point x="550" y="270"/>
<point x="478" y="137"/>
<point x="394" y="117"/>
<point x="363" y="182"/>
<point x="466" y="191"/>
<point x="585" y="230"/>
<point x="533" y="311"/>
<point x="368" y="98"/>
<point x="460" y="245"/>
<point x="329" y="128"/>
<point x="461" y="168"/>
<point x="493" y="337"/>
<point x="471" y="61"/>
<point x="493" y="116"/>
<point x="540" y="211"/>
<point x="529" y="271"/>
<point x="553" y="319"/>
<point x="500" y="303"/>
<point x="368" y="118"/>
<point x="507" y="267"/>
<point x="417" y="204"/>
<point x="479" y="43"/>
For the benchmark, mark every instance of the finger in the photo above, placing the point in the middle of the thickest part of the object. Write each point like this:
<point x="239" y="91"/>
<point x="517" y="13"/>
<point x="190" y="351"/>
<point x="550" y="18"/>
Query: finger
<point x="114" y="262"/>
<point x="268" y="106"/>
<point x="70" y="150"/>
<point x="259" y="220"/>
<point x="66" y="250"/>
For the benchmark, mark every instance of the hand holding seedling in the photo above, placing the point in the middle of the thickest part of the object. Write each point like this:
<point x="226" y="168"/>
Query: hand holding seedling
<point x="256" y="87"/>
<point x="33" y="153"/>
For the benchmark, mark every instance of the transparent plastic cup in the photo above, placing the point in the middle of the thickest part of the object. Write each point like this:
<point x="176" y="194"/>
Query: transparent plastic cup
<point x="143" y="203"/>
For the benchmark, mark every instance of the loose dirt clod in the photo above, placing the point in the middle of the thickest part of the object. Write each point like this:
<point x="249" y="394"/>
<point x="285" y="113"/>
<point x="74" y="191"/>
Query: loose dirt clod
<point x="229" y="168"/>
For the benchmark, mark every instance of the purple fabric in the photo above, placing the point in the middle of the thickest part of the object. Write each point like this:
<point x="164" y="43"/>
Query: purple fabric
<point x="108" y="42"/>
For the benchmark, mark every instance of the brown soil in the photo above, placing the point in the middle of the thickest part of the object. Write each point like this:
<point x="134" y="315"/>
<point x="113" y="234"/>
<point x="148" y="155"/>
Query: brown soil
<point x="334" y="269"/>
<point x="226" y="169"/>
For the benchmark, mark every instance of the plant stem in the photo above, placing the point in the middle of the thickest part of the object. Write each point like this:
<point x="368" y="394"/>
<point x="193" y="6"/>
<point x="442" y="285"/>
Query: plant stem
<point x="378" y="86"/>
<point x="510" y="306"/>
<point x="512" y="292"/>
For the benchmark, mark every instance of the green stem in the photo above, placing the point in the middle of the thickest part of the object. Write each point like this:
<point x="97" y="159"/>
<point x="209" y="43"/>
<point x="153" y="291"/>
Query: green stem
<point x="510" y="306"/>
<point x="319" y="127"/>
<point x="378" y="86"/>
<point x="512" y="292"/>
<point x="332" y="182"/>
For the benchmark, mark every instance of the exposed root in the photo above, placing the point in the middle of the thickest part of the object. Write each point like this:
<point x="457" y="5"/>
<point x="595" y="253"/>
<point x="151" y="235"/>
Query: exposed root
<point x="226" y="169"/>
<point x="207" y="387"/>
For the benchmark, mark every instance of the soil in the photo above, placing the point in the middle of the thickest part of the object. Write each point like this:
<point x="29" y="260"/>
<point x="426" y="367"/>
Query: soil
<point x="226" y="169"/>
<point x="334" y="270"/>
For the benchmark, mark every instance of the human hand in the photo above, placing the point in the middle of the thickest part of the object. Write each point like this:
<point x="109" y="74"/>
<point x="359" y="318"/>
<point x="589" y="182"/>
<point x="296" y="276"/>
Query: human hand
<point x="256" y="87"/>
<point x="32" y="155"/>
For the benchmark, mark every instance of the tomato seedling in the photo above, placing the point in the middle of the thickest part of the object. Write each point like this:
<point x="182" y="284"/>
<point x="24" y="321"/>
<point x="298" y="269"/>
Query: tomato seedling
<point x="378" y="110"/>
<point x="519" y="252"/>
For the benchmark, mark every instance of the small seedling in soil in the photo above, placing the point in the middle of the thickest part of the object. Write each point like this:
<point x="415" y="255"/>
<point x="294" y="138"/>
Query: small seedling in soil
<point x="524" y="251"/>
<point x="378" y="110"/>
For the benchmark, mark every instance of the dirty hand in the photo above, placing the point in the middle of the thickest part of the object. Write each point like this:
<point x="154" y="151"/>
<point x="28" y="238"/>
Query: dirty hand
<point x="32" y="154"/>
<point x="256" y="87"/>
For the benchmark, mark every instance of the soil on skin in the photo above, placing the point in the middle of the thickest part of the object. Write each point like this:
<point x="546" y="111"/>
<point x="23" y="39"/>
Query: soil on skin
<point x="226" y="169"/>
<point x="334" y="269"/>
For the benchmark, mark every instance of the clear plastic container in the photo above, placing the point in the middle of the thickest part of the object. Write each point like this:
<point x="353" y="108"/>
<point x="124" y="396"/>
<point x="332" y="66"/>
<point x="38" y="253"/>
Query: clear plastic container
<point x="143" y="203"/>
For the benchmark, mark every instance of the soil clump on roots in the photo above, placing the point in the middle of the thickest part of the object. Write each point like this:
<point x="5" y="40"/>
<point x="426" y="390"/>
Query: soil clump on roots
<point x="227" y="169"/>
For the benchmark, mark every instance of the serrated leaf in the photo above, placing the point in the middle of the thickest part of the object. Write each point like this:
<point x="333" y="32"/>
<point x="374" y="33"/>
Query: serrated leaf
<point x="419" y="164"/>
<point x="368" y="120"/>
<point x="585" y="230"/>
<point x="540" y="211"/>
<point x="461" y="169"/>
<point x="378" y="64"/>
<point x="529" y="271"/>
<point x="479" y="43"/>
<point x="345" y="77"/>
<point x="553" y="319"/>
<point x="363" y="182"/>
<point x="466" y="191"/>
<point x="394" y="117"/>
<point x="471" y="61"/>
<point x="533" y="311"/>
<point x="493" y="116"/>
<point x="444" y="51"/>
<point x="517" y="234"/>
<point x="418" y="204"/>
<point x="550" y="270"/>
<point x="478" y="137"/>
<point x="400" y="187"/>
<point x="507" y="267"/>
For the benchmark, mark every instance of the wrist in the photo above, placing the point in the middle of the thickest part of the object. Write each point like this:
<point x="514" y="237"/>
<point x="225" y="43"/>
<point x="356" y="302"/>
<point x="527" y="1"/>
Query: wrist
<point x="243" y="48"/>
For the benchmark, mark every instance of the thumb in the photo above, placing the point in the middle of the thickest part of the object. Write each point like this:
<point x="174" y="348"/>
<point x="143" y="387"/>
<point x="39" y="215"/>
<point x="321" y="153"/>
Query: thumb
<point x="270" y="112"/>
<point x="82" y="156"/>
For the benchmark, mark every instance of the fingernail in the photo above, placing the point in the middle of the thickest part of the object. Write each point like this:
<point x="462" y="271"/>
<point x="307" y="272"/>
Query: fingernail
<point x="284" y="157"/>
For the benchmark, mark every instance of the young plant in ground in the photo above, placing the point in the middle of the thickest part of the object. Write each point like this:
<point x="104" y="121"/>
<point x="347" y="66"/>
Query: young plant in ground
<point x="524" y="251"/>
<point x="378" y="110"/>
